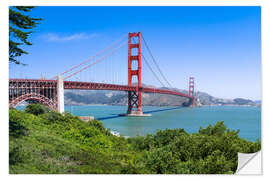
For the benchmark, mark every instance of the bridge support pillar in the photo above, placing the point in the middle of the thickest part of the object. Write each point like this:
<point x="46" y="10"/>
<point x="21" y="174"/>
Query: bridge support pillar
<point x="134" y="55"/>
<point x="191" y="91"/>
<point x="134" y="103"/>
<point x="60" y="94"/>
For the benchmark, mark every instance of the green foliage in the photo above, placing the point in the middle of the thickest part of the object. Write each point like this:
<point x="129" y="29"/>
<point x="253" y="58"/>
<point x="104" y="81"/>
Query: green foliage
<point x="218" y="130"/>
<point x="211" y="151"/>
<point x="20" y="25"/>
<point x="37" y="109"/>
<point x="16" y="127"/>
<point x="46" y="142"/>
<point x="161" y="161"/>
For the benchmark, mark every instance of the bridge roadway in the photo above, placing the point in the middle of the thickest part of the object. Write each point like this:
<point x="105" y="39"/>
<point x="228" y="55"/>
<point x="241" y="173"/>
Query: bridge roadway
<point x="28" y="83"/>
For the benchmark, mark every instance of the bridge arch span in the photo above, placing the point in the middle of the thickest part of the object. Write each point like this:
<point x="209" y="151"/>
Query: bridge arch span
<point x="33" y="96"/>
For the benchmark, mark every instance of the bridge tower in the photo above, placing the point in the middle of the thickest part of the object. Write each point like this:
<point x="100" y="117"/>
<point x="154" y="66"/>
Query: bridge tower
<point x="191" y="90"/>
<point x="60" y="94"/>
<point x="134" y="57"/>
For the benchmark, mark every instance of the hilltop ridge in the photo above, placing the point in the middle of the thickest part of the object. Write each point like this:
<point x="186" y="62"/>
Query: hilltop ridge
<point x="81" y="97"/>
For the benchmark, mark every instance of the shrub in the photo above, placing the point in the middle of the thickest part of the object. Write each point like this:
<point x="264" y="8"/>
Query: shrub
<point x="36" y="109"/>
<point x="216" y="130"/>
<point x="16" y="153"/>
<point x="17" y="126"/>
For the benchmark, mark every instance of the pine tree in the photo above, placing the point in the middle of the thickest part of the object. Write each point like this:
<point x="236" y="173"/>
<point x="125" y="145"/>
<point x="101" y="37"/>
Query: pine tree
<point x="20" y="27"/>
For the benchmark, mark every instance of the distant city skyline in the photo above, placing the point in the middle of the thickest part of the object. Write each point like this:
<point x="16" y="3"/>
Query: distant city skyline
<point x="219" y="46"/>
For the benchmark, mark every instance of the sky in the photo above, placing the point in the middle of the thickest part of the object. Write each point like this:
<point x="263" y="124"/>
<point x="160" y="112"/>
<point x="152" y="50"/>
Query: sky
<point x="219" y="46"/>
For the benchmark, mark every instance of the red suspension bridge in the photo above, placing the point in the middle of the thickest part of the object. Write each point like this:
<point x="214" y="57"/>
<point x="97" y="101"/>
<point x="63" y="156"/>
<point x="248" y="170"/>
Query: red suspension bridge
<point x="51" y="92"/>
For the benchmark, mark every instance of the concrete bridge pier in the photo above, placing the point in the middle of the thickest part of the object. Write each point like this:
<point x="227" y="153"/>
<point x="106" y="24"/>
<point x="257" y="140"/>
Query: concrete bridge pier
<point x="60" y="94"/>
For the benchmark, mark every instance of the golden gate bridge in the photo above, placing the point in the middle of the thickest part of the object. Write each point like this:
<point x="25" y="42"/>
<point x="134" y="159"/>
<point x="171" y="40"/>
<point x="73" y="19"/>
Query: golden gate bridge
<point x="51" y="92"/>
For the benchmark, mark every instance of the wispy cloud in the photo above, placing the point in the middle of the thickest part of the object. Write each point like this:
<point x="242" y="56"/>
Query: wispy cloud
<point x="53" y="37"/>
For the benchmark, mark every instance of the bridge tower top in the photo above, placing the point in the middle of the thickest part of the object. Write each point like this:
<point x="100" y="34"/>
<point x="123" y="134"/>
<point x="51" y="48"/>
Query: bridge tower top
<point x="191" y="87"/>
<point x="134" y="57"/>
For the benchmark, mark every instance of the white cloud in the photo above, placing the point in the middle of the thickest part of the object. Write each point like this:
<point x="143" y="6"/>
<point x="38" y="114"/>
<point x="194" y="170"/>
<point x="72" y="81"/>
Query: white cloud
<point x="57" y="38"/>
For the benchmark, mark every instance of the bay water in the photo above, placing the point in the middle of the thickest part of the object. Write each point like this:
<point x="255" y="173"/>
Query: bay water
<point x="246" y="119"/>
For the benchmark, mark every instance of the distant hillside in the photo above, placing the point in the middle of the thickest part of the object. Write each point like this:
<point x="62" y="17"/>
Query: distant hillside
<point x="119" y="98"/>
<point x="82" y="97"/>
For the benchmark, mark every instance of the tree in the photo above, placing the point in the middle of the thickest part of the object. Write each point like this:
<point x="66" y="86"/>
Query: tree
<point x="20" y="27"/>
<point x="36" y="109"/>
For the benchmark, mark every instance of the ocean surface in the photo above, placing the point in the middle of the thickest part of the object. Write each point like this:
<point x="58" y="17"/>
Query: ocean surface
<point x="246" y="119"/>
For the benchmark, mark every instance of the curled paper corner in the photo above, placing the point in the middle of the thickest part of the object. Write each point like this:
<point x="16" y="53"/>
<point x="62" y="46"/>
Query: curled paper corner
<point x="249" y="163"/>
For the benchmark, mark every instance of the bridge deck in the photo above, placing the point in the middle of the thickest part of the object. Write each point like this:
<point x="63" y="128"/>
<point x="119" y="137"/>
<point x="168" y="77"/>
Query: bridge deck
<point x="96" y="86"/>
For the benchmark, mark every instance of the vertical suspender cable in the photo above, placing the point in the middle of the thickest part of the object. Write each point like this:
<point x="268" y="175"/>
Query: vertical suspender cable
<point x="98" y="54"/>
<point x="155" y="62"/>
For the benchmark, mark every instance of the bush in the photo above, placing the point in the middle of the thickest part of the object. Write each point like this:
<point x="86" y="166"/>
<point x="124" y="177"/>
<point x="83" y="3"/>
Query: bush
<point x="17" y="127"/>
<point x="16" y="153"/>
<point x="36" y="109"/>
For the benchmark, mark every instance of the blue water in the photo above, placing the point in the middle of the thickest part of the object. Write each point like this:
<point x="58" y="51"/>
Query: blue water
<point x="246" y="119"/>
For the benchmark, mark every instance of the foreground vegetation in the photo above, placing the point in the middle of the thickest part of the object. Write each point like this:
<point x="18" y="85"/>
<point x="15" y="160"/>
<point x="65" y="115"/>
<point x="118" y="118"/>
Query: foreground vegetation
<point x="45" y="142"/>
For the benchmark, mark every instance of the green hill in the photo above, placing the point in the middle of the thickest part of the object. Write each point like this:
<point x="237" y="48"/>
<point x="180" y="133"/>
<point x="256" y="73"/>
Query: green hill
<point x="46" y="142"/>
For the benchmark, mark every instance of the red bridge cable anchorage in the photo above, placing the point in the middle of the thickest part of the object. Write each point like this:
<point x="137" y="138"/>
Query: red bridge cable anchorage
<point x="92" y="57"/>
<point x="97" y="61"/>
<point x="155" y="62"/>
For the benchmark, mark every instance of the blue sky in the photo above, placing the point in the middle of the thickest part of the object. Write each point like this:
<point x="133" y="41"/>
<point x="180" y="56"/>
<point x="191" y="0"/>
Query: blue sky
<point x="219" y="46"/>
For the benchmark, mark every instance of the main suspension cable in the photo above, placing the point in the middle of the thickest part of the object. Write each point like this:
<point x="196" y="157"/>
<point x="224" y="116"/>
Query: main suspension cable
<point x="152" y="70"/>
<point x="97" y="61"/>
<point x="155" y="62"/>
<point x="89" y="59"/>
<point x="148" y="65"/>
